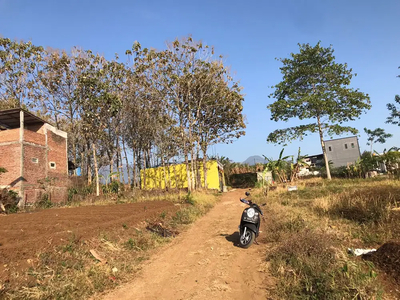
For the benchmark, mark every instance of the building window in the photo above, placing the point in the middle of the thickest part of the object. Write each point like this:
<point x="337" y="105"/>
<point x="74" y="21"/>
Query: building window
<point x="352" y="145"/>
<point x="35" y="160"/>
<point x="52" y="165"/>
<point x="330" y="148"/>
<point x="345" y="146"/>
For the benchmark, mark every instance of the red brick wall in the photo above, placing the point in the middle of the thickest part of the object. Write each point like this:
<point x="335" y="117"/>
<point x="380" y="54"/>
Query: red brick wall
<point x="34" y="171"/>
<point x="33" y="137"/>
<point x="11" y="135"/>
<point x="58" y="154"/>
<point x="10" y="159"/>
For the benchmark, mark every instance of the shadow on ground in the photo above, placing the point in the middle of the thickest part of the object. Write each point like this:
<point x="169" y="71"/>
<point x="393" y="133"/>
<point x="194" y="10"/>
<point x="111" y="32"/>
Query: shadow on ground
<point x="233" y="238"/>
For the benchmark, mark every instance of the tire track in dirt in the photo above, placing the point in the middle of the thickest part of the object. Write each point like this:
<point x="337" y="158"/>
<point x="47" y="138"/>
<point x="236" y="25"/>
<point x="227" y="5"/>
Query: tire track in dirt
<point x="203" y="262"/>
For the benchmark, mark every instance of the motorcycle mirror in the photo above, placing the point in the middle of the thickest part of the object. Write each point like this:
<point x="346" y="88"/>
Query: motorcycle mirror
<point x="247" y="194"/>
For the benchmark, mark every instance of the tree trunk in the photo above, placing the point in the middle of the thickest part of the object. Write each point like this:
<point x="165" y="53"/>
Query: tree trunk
<point x="198" y="175"/>
<point x="144" y="169"/>
<point x="139" y="167"/>
<point x="89" y="165"/>
<point x="120" y="162"/>
<point x="193" y="159"/>
<point x="127" y="163"/>
<point x="111" y="159"/>
<point x="204" y="150"/>
<point x="134" y="182"/>
<point x="74" y="156"/>
<point x="189" y="181"/>
<point x="96" y="171"/>
<point x="321" y="137"/>
<point x="83" y="169"/>
<point x="164" y="171"/>
<point x="169" y="177"/>
<point x="176" y="178"/>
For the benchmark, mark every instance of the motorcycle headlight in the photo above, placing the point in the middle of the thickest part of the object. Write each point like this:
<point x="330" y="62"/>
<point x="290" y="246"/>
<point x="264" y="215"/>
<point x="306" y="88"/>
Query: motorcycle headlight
<point x="251" y="212"/>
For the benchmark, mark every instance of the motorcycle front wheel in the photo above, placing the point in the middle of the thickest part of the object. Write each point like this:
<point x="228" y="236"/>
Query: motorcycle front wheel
<point x="246" y="239"/>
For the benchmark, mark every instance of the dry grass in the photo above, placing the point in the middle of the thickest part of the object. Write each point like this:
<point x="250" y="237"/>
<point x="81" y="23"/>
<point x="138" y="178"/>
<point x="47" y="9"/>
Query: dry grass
<point x="310" y="230"/>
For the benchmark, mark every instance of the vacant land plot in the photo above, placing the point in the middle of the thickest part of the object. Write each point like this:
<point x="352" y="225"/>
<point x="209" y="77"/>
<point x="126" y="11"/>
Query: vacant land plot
<point x="23" y="236"/>
<point x="311" y="229"/>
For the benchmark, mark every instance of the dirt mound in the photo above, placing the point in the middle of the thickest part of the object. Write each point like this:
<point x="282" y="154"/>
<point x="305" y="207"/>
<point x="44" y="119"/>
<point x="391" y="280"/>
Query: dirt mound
<point x="387" y="258"/>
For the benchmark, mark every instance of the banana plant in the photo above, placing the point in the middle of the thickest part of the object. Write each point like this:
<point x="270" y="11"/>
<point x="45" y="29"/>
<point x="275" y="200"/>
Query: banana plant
<point x="390" y="158"/>
<point x="295" y="167"/>
<point x="277" y="167"/>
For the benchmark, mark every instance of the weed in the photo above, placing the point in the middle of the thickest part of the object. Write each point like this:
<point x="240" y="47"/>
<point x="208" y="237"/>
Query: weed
<point x="187" y="215"/>
<point x="130" y="244"/>
<point x="189" y="198"/>
<point x="124" y="226"/>
<point x="163" y="215"/>
<point x="44" y="202"/>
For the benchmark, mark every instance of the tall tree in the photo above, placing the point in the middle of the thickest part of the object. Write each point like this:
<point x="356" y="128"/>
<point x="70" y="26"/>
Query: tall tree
<point x="97" y="102"/>
<point x="394" y="117"/>
<point x="19" y="65"/>
<point x="56" y="91"/>
<point x="377" y="135"/>
<point x="315" y="87"/>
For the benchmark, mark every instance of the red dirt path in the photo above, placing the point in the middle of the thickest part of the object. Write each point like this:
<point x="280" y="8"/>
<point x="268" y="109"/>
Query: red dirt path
<point x="24" y="235"/>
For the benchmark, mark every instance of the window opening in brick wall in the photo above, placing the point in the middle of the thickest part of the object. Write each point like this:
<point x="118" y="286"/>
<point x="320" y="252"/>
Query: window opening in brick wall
<point x="35" y="160"/>
<point x="345" y="146"/>
<point x="52" y="165"/>
<point x="330" y="148"/>
<point x="352" y="145"/>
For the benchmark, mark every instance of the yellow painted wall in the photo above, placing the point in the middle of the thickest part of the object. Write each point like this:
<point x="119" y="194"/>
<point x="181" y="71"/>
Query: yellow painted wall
<point x="155" y="176"/>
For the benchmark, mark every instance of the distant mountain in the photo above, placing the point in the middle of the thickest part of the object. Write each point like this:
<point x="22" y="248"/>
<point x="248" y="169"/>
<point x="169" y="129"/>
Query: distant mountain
<point x="255" y="159"/>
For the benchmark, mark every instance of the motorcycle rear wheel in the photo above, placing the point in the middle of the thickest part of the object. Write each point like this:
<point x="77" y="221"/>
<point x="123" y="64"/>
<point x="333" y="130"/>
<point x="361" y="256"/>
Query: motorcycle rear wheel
<point x="247" y="239"/>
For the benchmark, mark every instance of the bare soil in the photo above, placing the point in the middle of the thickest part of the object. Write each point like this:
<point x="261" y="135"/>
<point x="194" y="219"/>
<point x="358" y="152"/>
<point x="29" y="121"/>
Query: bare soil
<point x="204" y="262"/>
<point x="387" y="258"/>
<point x="23" y="236"/>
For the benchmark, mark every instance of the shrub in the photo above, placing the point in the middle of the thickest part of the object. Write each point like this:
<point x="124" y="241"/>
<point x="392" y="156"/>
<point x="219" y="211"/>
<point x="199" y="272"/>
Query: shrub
<point x="44" y="202"/>
<point x="10" y="200"/>
<point x="187" y="215"/>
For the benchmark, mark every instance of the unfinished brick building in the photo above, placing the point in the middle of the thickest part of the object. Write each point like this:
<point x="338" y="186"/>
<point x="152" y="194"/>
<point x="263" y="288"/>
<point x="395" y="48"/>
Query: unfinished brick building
<point x="35" y="156"/>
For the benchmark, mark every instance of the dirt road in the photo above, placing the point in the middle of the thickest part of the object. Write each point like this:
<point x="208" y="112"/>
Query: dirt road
<point x="203" y="262"/>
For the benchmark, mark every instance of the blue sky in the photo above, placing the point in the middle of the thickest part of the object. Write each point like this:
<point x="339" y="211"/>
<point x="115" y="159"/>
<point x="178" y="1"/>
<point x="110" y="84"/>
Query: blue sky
<point x="250" y="34"/>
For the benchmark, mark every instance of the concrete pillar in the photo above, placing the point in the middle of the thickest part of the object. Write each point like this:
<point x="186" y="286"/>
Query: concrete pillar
<point x="21" y="141"/>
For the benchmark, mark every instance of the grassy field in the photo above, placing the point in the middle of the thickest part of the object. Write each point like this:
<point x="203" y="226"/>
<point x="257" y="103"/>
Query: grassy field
<point x="310" y="230"/>
<point x="81" y="268"/>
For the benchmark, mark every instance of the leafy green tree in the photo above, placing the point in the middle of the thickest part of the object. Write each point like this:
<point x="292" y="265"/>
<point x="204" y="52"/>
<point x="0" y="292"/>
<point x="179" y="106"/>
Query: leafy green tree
<point x="394" y="117"/>
<point x="377" y="135"/>
<point x="315" y="87"/>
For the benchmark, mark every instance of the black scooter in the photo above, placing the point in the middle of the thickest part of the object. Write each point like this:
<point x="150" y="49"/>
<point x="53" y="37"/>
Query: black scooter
<point x="249" y="227"/>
